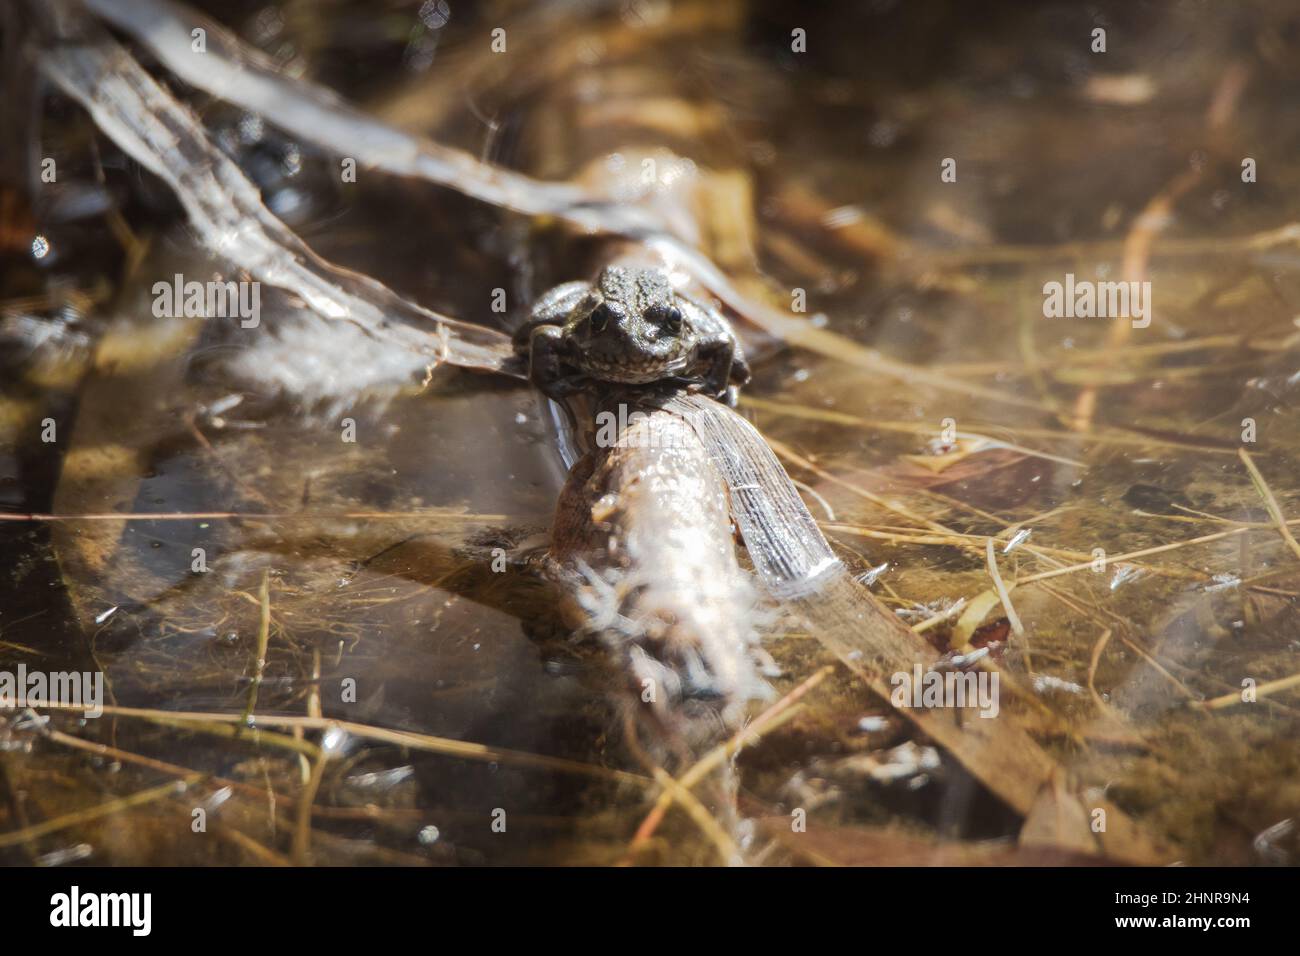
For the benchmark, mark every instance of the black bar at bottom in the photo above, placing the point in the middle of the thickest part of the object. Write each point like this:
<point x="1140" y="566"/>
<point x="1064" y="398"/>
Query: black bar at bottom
<point x="367" y="905"/>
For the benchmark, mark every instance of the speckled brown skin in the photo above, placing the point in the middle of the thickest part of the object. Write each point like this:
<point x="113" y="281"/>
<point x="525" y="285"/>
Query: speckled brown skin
<point x="644" y="550"/>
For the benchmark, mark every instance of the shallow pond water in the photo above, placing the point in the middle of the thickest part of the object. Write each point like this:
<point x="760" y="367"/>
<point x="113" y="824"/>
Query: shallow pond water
<point x="369" y="558"/>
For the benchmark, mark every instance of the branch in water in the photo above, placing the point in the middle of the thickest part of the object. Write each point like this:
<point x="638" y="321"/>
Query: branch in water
<point x="226" y="212"/>
<point x="232" y="71"/>
<point x="237" y="73"/>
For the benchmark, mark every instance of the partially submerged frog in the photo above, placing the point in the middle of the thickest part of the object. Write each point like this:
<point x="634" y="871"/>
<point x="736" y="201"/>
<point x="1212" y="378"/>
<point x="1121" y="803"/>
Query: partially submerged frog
<point x="629" y="327"/>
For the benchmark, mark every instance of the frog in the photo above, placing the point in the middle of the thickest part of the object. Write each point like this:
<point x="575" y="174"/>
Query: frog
<point x="629" y="327"/>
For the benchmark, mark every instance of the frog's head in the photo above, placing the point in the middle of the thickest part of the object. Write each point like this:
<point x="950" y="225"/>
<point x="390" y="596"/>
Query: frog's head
<point x="631" y="328"/>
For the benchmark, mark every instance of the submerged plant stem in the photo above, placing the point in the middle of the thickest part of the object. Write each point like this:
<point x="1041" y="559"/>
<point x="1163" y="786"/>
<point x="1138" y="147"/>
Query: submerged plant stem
<point x="1270" y="502"/>
<point x="36" y="830"/>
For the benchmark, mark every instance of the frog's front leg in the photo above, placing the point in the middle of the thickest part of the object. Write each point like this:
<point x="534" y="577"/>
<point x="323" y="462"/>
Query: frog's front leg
<point x="548" y="368"/>
<point x="715" y="358"/>
<point x="722" y="366"/>
<point x="552" y="308"/>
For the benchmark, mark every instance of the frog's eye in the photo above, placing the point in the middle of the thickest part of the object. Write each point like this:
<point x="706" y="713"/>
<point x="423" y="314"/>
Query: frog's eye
<point x="599" y="318"/>
<point x="672" y="319"/>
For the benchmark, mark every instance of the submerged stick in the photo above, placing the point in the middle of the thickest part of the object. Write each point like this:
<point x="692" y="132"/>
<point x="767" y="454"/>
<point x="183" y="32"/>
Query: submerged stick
<point x="233" y="71"/>
<point x="241" y="74"/>
<point x="226" y="210"/>
<point x="644" y="554"/>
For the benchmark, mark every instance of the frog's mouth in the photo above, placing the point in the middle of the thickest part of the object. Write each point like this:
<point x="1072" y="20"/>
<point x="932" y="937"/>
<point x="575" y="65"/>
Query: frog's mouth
<point x="634" y="371"/>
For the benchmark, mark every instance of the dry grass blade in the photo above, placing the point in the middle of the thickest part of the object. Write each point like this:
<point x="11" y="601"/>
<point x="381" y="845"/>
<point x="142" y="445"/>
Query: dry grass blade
<point x="1263" y="690"/>
<point x="1003" y="595"/>
<point x="1112" y="560"/>
<point x="698" y="813"/>
<point x="773" y="717"/>
<point x="263" y="639"/>
<point x="450" y="517"/>
<point x="302" y="826"/>
<point x="798" y="460"/>
<point x="18" y="837"/>
<point x="1270" y="502"/>
<point x="1097" y="650"/>
<point x="1109" y="435"/>
<point x="215" y="722"/>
